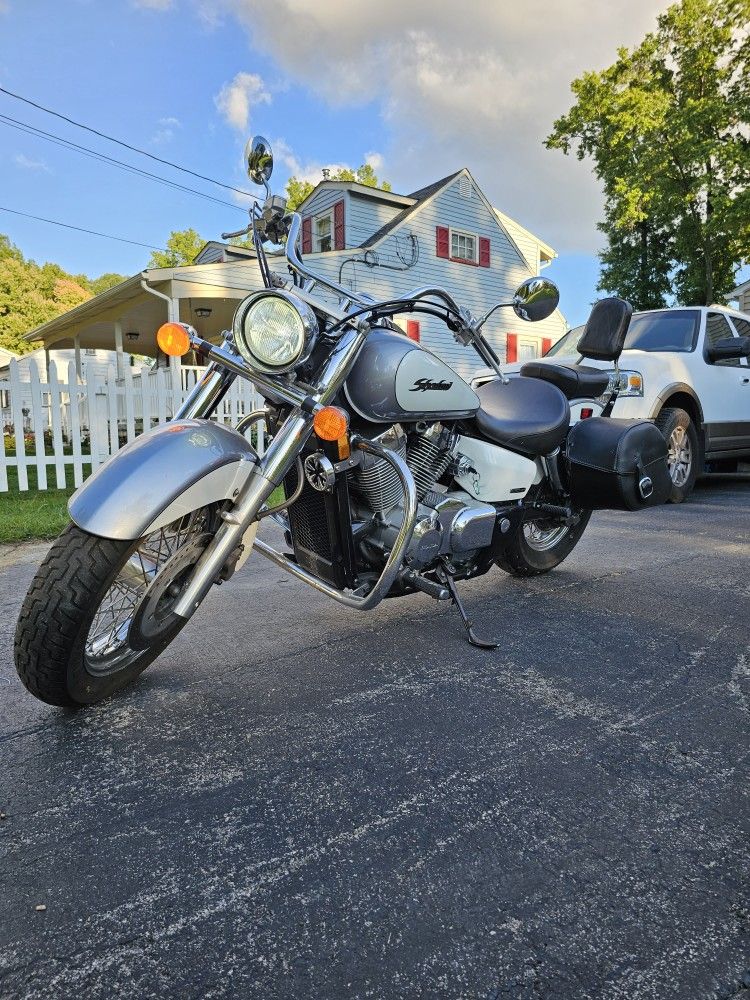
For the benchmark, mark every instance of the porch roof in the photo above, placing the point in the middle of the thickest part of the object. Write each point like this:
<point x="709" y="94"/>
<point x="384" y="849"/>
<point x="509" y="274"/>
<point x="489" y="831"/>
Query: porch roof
<point x="139" y="312"/>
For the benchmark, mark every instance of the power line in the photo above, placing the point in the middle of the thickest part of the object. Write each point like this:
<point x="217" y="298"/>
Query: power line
<point x="119" y="142"/>
<point x="80" y="229"/>
<point x="94" y="154"/>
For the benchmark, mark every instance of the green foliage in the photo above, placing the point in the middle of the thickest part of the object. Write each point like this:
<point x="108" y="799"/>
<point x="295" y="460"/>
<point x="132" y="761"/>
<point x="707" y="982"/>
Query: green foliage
<point x="183" y="246"/>
<point x="297" y="190"/>
<point x="666" y="128"/>
<point x="32" y="294"/>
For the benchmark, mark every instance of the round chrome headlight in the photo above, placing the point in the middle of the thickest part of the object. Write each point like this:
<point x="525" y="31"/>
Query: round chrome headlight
<point x="274" y="331"/>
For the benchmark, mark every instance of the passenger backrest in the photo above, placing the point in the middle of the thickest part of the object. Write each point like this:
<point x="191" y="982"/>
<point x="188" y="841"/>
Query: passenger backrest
<point x="604" y="334"/>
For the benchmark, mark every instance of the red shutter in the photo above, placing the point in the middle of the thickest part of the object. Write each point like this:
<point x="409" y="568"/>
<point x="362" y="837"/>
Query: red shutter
<point x="307" y="236"/>
<point x="484" y="251"/>
<point x="339" y="242"/>
<point x="511" y="347"/>
<point x="412" y="329"/>
<point x="442" y="241"/>
<point x="546" y="344"/>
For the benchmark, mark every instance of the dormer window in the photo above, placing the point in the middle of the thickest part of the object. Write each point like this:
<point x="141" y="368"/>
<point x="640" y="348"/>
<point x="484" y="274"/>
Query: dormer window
<point x="464" y="246"/>
<point x="323" y="232"/>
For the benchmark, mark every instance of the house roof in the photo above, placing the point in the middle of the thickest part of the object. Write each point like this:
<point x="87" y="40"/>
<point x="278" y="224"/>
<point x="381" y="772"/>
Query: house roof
<point x="736" y="292"/>
<point x="359" y="189"/>
<point x="417" y="198"/>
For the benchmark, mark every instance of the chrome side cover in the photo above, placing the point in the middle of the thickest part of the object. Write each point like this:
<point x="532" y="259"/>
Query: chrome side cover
<point x="163" y="474"/>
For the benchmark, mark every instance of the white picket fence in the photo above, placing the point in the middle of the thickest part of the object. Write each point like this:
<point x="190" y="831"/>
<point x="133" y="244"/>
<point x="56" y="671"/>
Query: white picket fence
<point x="69" y="422"/>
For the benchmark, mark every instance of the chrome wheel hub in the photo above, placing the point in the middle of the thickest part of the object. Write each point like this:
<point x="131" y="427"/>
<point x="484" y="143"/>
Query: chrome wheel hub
<point x="680" y="456"/>
<point x="541" y="535"/>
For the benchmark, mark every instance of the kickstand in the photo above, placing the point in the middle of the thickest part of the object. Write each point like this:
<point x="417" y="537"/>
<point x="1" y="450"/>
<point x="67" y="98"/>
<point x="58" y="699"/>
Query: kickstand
<point x="468" y="624"/>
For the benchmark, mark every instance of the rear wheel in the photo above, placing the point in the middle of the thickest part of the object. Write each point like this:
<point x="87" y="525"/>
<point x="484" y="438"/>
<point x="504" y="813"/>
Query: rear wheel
<point x="538" y="546"/>
<point x="683" y="451"/>
<point x="99" y="611"/>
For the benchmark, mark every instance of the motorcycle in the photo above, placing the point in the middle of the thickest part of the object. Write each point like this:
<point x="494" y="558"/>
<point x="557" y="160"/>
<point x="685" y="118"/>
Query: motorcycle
<point x="396" y="476"/>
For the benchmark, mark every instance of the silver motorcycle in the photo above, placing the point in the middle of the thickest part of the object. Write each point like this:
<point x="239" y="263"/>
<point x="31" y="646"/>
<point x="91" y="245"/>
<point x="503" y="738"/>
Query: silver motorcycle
<point x="392" y="475"/>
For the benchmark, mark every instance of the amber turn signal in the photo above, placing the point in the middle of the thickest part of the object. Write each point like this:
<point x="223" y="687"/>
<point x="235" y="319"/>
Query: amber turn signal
<point x="331" y="423"/>
<point x="173" y="339"/>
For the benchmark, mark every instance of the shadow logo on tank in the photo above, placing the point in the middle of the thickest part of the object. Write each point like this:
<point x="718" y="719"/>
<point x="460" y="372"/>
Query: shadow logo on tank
<point x="427" y="385"/>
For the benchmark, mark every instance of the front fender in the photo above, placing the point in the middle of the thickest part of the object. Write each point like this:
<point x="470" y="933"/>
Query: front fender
<point x="165" y="473"/>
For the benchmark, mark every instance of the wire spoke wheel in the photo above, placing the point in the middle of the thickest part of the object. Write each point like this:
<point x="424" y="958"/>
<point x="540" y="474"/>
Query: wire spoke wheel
<point x="108" y="646"/>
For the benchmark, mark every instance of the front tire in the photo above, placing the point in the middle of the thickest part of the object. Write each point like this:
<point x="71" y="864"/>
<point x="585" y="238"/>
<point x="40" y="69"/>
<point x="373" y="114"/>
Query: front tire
<point x="73" y="639"/>
<point x="683" y="451"/>
<point x="538" y="546"/>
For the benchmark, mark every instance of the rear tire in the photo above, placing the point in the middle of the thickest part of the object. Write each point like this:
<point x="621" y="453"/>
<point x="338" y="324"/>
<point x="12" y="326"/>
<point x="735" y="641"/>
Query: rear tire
<point x="684" y="451"/>
<point x="72" y="639"/>
<point x="534" y="548"/>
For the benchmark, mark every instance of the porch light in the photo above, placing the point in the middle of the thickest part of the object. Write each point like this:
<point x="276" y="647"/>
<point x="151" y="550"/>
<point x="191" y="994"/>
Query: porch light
<point x="132" y="336"/>
<point x="203" y="312"/>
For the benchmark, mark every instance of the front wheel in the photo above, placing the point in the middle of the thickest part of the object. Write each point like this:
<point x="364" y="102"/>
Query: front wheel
<point x="538" y="546"/>
<point x="99" y="611"/>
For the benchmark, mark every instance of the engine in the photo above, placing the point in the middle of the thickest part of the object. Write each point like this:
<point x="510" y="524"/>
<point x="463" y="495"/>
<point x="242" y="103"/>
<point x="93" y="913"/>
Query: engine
<point x="449" y="523"/>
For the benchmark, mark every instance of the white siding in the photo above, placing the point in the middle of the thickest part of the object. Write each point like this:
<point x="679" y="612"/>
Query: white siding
<point x="477" y="287"/>
<point x="365" y="216"/>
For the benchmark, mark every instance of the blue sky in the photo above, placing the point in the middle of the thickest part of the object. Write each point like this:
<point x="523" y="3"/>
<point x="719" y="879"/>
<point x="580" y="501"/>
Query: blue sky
<point x="418" y="88"/>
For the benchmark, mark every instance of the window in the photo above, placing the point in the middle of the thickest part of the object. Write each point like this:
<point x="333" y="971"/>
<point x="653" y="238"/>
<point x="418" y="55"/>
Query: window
<point x="323" y="233"/>
<point x="463" y="246"/>
<point x="671" y="330"/>
<point x="718" y="329"/>
<point x="742" y="326"/>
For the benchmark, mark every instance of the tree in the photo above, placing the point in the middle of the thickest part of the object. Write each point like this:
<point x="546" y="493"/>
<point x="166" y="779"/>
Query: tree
<point x="666" y="127"/>
<point x="31" y="294"/>
<point x="183" y="246"/>
<point x="297" y="190"/>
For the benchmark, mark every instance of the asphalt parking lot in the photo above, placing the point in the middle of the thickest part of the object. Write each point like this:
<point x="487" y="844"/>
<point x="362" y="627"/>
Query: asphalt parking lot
<point x="300" y="801"/>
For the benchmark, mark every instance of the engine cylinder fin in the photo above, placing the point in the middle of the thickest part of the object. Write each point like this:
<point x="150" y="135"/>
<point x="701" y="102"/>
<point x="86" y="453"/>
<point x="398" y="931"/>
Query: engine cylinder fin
<point x="427" y="461"/>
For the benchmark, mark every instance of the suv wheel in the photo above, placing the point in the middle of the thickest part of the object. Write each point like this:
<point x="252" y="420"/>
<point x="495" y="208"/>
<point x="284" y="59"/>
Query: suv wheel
<point x="684" y="451"/>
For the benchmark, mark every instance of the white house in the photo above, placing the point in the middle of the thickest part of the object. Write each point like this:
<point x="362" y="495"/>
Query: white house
<point x="741" y="295"/>
<point x="445" y="234"/>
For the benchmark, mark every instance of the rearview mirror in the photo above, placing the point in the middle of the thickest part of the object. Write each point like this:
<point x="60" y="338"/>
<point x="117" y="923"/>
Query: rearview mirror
<point x="259" y="160"/>
<point x="729" y="349"/>
<point x="535" y="299"/>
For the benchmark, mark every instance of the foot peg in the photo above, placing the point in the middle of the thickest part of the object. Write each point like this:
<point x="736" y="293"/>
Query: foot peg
<point x="468" y="623"/>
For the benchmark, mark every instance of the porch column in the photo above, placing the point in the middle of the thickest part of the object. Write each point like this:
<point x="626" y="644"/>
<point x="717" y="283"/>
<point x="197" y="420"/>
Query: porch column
<point x="118" y="348"/>
<point x="175" y="363"/>
<point x="77" y="346"/>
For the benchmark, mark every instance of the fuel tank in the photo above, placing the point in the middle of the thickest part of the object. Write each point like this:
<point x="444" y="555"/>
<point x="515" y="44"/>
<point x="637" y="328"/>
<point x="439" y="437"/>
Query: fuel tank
<point x="394" y="379"/>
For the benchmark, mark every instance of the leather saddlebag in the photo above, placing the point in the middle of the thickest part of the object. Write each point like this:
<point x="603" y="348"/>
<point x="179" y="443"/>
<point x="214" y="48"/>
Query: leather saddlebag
<point x="617" y="464"/>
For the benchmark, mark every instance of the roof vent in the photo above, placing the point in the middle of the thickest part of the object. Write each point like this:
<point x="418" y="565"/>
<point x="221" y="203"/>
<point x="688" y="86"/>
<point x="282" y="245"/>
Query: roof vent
<point x="464" y="187"/>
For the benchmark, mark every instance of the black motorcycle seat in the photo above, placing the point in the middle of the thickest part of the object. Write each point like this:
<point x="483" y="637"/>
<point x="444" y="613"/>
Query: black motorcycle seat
<point x="574" y="381"/>
<point x="525" y="414"/>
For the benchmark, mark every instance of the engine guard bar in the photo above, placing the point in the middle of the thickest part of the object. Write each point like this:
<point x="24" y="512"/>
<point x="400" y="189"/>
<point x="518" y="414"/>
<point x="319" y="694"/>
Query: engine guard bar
<point x="393" y="564"/>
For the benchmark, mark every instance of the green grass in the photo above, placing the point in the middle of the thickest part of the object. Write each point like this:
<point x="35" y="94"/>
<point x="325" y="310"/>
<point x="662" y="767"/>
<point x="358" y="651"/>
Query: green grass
<point x="43" y="513"/>
<point x="34" y="513"/>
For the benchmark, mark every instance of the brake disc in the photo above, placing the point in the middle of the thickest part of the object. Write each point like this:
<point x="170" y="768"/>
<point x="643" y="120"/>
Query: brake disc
<point x="154" y="618"/>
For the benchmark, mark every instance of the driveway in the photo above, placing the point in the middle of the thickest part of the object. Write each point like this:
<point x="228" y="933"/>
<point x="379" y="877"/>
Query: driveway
<point x="297" y="801"/>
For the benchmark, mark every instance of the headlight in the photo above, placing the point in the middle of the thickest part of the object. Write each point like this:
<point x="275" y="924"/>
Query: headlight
<point x="274" y="331"/>
<point x="631" y="384"/>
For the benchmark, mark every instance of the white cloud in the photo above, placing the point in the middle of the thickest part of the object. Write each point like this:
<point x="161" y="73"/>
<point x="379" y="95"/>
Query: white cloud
<point x="375" y="160"/>
<point x="153" y="4"/>
<point x="27" y="164"/>
<point x="166" y="130"/>
<point x="236" y="99"/>
<point x="475" y="85"/>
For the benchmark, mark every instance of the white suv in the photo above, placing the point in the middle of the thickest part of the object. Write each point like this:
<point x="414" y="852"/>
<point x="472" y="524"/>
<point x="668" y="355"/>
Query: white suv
<point x="688" y="370"/>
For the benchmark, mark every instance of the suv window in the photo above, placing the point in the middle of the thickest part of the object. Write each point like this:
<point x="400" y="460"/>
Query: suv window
<point x="742" y="326"/>
<point x="676" y="330"/>
<point x="718" y="329"/>
<point x="566" y="346"/>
